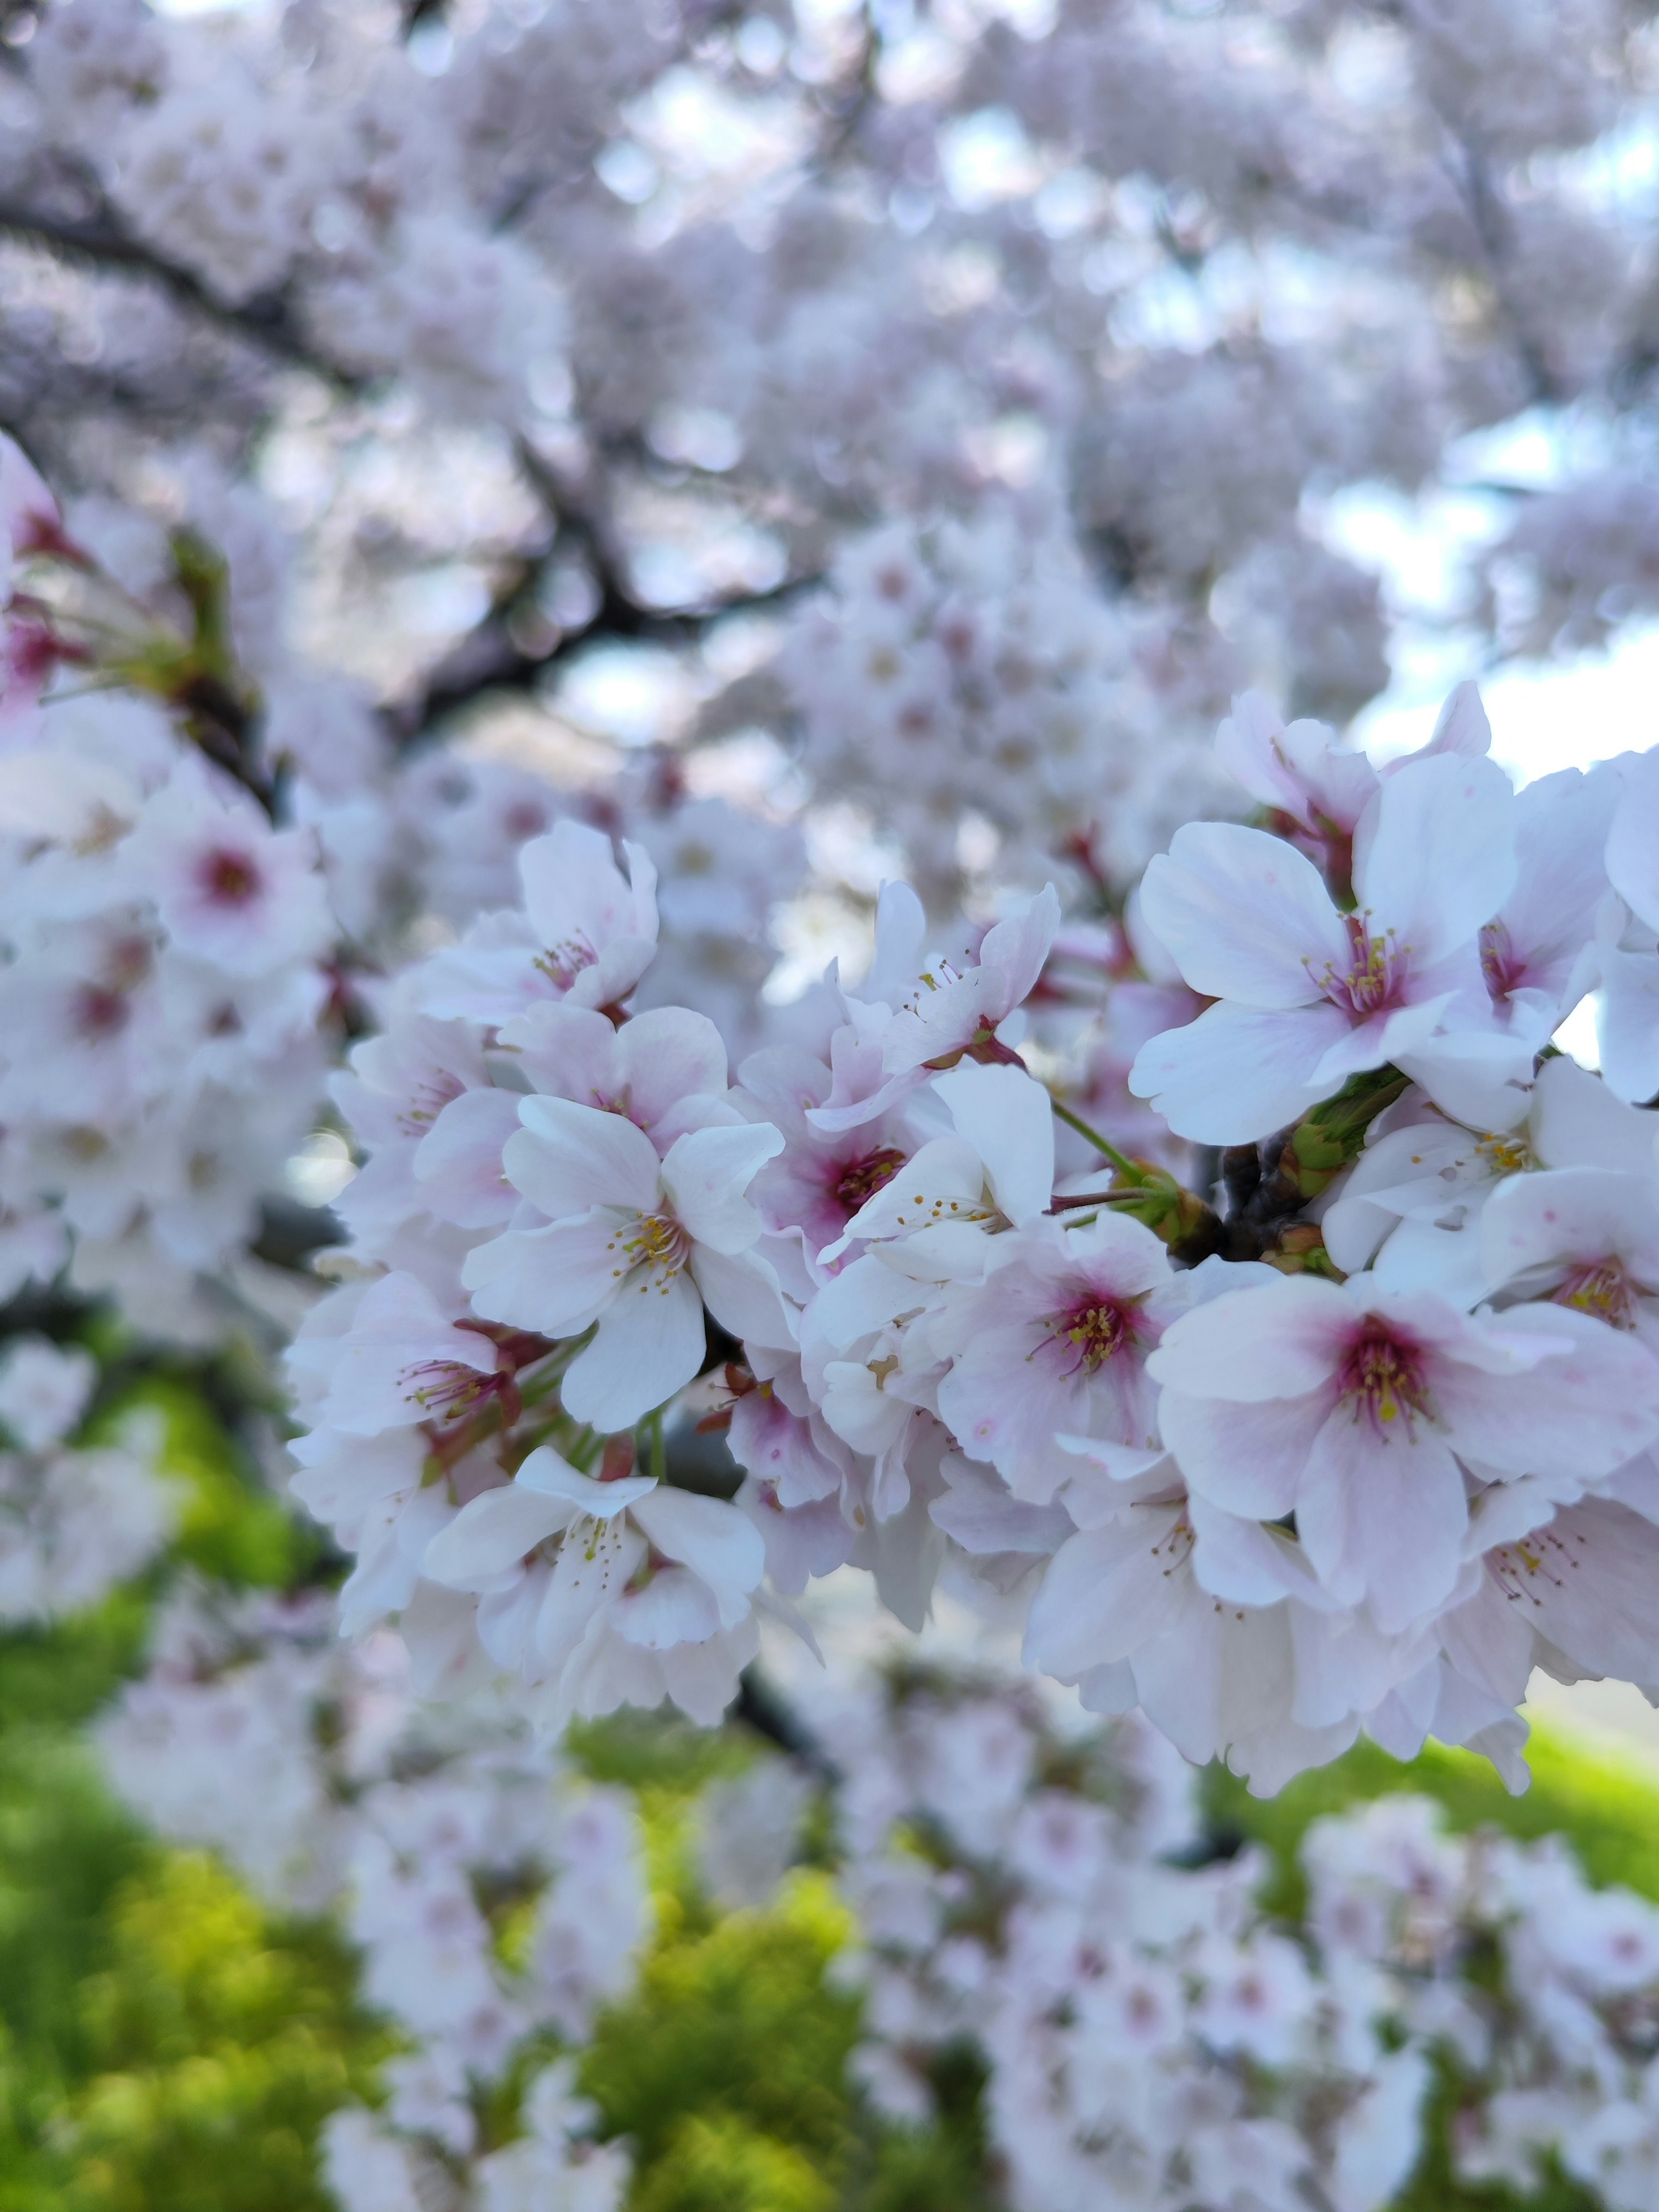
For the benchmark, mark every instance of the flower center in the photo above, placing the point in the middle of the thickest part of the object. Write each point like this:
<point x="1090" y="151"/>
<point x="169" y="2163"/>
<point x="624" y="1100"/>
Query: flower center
<point x="1375" y="973"/>
<point x="101" y="1013"/>
<point x="426" y="1100"/>
<point x="1542" y="1559"/>
<point x="1602" y="1288"/>
<point x="562" y="964"/>
<point x="1498" y="963"/>
<point x="1092" y="1330"/>
<point x="652" y="1245"/>
<point x="229" y="878"/>
<point x="860" y="1180"/>
<point x="444" y="1389"/>
<point x="1382" y="1375"/>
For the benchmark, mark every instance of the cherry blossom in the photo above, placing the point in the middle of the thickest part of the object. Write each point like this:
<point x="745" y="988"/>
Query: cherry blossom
<point x="1308" y="995"/>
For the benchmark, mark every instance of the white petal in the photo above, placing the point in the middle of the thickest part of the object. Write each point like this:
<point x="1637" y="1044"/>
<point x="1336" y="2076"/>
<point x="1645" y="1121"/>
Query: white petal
<point x="648" y="1345"/>
<point x="1237" y="1074"/>
<point x="568" y="1158"/>
<point x="1009" y="1120"/>
<point x="491" y="1534"/>
<point x="1243" y="915"/>
<point x="712" y="1538"/>
<point x="705" y="1176"/>
<point x="1434" y="853"/>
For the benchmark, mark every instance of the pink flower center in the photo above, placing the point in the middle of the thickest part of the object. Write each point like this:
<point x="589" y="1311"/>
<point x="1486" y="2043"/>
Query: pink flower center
<point x="1500" y="964"/>
<point x="860" y="1180"/>
<point x="230" y="878"/>
<point x="100" y="1012"/>
<point x="444" y="1389"/>
<point x="1382" y="1375"/>
<point x="1375" y="978"/>
<point x="1092" y="1330"/>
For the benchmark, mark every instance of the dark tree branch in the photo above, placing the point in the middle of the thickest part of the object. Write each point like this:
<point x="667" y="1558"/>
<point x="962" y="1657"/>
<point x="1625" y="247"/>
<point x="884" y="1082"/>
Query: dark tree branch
<point x="101" y="240"/>
<point x="491" y="658"/>
<point x="764" y="1708"/>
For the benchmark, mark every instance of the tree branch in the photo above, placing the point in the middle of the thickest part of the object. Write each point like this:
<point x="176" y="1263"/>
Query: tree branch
<point x="101" y="239"/>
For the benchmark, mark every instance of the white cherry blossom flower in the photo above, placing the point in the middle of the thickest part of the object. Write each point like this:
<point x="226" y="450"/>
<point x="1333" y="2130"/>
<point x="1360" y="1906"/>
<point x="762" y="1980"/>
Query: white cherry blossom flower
<point x="1309" y="995"/>
<point x="633" y="1242"/>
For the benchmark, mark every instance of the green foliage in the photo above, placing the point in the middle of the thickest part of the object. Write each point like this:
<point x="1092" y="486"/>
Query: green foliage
<point x="164" y="2046"/>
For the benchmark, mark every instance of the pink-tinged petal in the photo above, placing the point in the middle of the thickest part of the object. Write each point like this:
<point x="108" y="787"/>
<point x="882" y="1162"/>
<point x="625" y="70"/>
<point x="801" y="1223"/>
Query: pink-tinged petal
<point x="566" y="1051"/>
<point x="1579" y="1122"/>
<point x="1248" y="1562"/>
<point x="588" y="1576"/>
<point x="977" y="1511"/>
<point x="552" y="1476"/>
<point x="457" y="1163"/>
<point x="1581" y="1400"/>
<point x="567" y="1158"/>
<point x="674" y="1607"/>
<point x="1490" y="1641"/>
<point x="668" y="1054"/>
<point x="1434" y="854"/>
<point x="1632" y="847"/>
<point x="489" y="1538"/>
<point x="1280" y="1341"/>
<point x="1243" y="915"/>
<point x="1381" y="1516"/>
<point x="944" y="1017"/>
<point x="1237" y="1074"/>
<point x="779" y="1448"/>
<point x="575" y="894"/>
<point x="1301" y="769"/>
<point x="649" y="1344"/>
<point x="1384" y="1037"/>
<point x="1586" y="1584"/>
<point x="705" y="1176"/>
<point x="1220" y="1684"/>
<point x="1567" y="1216"/>
<point x="1015" y="950"/>
<point x="554" y="1280"/>
<point x="1483" y="1078"/>
<point x="864" y="1298"/>
<point x="1562" y="823"/>
<point x="1105" y="1592"/>
<point x="1248" y="1459"/>
<point x="712" y="1539"/>
<point x="742" y="1292"/>
<point x="1009" y="1120"/>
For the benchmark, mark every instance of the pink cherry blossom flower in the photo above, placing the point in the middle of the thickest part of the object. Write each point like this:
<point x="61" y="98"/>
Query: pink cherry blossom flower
<point x="589" y="1584"/>
<point x="1308" y="995"/>
<point x="1056" y="1343"/>
<point x="635" y="1243"/>
<point x="228" y="889"/>
<point x="587" y="933"/>
<point x="1351" y="1409"/>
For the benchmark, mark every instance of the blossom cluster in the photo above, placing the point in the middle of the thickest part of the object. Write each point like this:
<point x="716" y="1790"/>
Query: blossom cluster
<point x="1149" y="2035"/>
<point x="1026" y="1888"/>
<point x="1353" y="1437"/>
<point x="316" y="1770"/>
